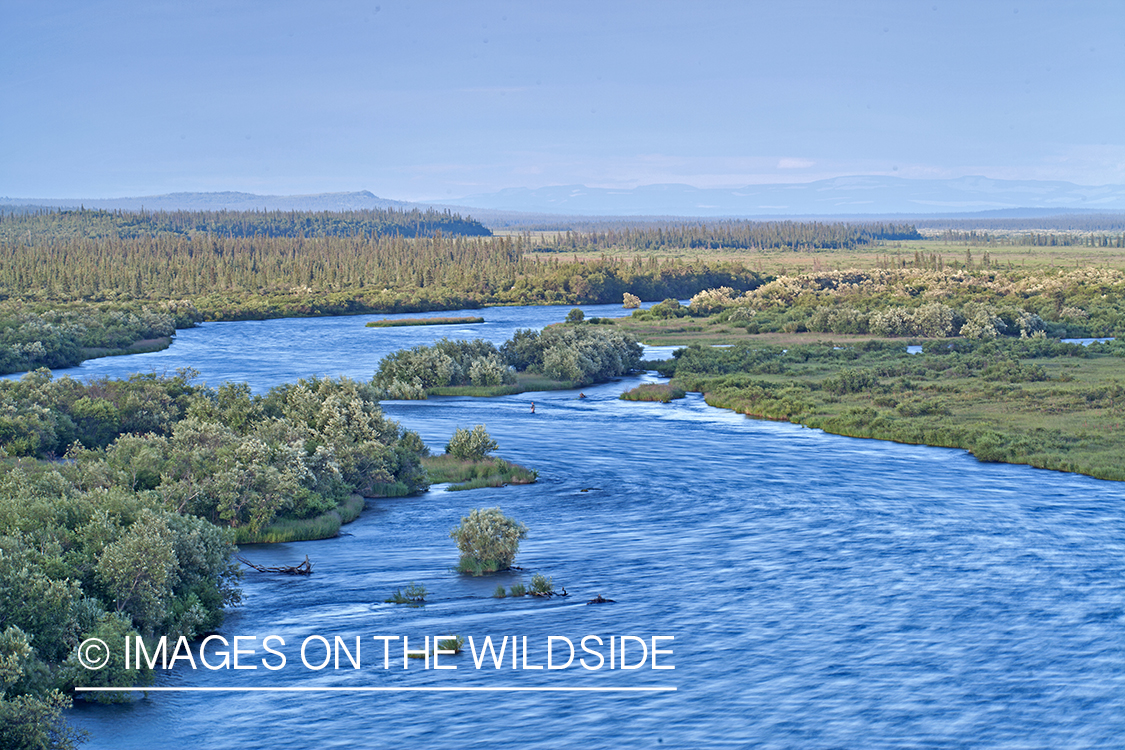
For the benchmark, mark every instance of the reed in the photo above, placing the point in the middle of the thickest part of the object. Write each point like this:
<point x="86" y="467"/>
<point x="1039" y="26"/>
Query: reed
<point x="324" y="526"/>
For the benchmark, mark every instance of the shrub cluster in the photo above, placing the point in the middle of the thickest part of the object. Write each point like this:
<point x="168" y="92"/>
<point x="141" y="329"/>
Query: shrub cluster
<point x="59" y="338"/>
<point x="470" y="445"/>
<point x="222" y="454"/>
<point x="488" y="541"/>
<point x="409" y="373"/>
<point x="578" y="354"/>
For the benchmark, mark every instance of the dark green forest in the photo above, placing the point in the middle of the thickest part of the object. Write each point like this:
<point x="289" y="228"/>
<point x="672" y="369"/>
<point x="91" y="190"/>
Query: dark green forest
<point x="727" y="235"/>
<point x="259" y="277"/>
<point x="98" y="224"/>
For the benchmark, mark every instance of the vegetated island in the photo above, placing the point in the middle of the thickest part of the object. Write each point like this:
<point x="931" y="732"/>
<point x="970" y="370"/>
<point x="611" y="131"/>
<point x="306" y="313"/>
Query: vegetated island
<point x="662" y="392"/>
<point x="467" y="465"/>
<point x="424" y="321"/>
<point x="561" y="356"/>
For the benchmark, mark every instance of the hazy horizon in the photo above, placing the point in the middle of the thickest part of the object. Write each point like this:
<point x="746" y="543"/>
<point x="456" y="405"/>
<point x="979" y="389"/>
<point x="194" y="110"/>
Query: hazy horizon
<point x="436" y="103"/>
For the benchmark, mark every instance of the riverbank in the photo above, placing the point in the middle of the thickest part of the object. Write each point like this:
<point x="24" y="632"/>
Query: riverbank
<point x="440" y="469"/>
<point x="1023" y="401"/>
<point x="141" y="346"/>
<point x="323" y="526"/>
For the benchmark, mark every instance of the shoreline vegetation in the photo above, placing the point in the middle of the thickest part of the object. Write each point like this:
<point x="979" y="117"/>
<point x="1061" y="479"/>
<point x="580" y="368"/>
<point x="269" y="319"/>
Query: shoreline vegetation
<point x="424" y="322"/>
<point x="1033" y="401"/>
<point x="1047" y="406"/>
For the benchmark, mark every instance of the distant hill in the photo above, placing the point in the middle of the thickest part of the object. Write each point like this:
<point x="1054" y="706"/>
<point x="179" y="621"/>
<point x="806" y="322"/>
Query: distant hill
<point x="837" y="197"/>
<point x="228" y="201"/>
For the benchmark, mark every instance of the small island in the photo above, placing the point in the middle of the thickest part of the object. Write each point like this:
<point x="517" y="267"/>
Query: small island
<point x="447" y="321"/>
<point x="467" y="465"/>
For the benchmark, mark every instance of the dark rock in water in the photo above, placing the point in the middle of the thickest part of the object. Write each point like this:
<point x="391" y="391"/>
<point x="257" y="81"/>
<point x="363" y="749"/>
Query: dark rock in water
<point x="599" y="599"/>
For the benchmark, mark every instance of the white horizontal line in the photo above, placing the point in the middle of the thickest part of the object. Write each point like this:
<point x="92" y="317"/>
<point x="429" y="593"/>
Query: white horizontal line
<point x="308" y="689"/>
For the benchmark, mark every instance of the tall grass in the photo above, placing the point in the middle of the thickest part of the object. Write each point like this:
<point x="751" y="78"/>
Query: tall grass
<point x="469" y="475"/>
<point x="324" y="526"/>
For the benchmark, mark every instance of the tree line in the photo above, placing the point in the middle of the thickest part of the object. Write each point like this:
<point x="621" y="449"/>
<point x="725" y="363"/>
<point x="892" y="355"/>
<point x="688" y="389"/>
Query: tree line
<point x="730" y="235"/>
<point x="261" y="277"/>
<point x="1033" y="238"/>
<point x="61" y="224"/>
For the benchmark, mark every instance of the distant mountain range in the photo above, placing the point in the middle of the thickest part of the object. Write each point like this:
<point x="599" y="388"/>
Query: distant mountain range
<point x="840" y="196"/>
<point x="223" y="201"/>
<point x="863" y="196"/>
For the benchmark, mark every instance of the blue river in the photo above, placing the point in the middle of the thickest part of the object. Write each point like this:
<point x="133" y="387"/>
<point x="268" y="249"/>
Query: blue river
<point x="810" y="590"/>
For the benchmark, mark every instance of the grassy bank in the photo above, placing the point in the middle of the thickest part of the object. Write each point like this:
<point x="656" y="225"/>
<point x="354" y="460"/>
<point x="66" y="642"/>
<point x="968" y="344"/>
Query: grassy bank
<point x="324" y="526"/>
<point x="525" y="381"/>
<point x="1025" y="401"/>
<point x="470" y="475"/>
<point x="424" y="322"/>
<point x="144" y="346"/>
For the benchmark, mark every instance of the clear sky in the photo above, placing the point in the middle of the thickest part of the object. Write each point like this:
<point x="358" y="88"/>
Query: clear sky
<point x="436" y="100"/>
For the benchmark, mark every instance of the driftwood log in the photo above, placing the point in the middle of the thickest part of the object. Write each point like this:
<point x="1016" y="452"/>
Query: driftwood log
<point x="303" y="569"/>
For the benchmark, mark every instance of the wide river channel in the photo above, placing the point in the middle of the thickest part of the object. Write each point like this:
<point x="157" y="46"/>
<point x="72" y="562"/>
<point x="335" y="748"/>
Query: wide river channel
<point x="819" y="591"/>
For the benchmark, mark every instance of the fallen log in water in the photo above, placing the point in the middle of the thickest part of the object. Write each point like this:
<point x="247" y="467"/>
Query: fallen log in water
<point x="303" y="569"/>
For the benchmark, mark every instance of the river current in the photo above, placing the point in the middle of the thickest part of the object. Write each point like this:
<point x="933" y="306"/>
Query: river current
<point x="820" y="591"/>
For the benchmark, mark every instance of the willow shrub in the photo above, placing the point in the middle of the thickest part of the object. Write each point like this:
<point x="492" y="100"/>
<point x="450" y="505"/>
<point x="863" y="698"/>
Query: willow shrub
<point x="488" y="541"/>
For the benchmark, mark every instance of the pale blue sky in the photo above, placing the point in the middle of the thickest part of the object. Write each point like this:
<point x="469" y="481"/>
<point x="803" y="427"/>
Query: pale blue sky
<point x="438" y="100"/>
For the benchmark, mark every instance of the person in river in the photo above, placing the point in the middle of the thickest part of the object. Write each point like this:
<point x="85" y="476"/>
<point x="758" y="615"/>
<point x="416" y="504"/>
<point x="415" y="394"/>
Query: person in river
<point x="581" y="395"/>
<point x="532" y="407"/>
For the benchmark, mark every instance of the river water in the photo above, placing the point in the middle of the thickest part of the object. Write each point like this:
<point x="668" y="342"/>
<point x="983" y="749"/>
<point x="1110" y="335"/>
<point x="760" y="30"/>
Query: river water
<point x="821" y="591"/>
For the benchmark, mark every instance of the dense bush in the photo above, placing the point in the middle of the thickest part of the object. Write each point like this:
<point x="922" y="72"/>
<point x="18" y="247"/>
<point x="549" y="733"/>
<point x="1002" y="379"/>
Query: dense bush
<point x="409" y="373"/>
<point x="579" y="353"/>
<point x="488" y="541"/>
<point x="576" y="354"/>
<point x="222" y="454"/>
<point x="471" y="445"/>
<point x="65" y="337"/>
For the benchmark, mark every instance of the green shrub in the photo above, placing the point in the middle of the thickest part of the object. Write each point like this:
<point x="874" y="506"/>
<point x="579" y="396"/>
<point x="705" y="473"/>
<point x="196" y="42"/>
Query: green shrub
<point x="488" y="541"/>
<point x="518" y="589"/>
<point x="540" y="585"/>
<point x="471" y="445"/>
